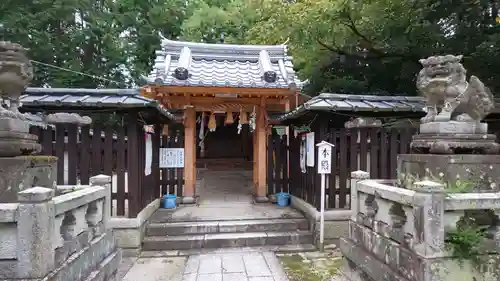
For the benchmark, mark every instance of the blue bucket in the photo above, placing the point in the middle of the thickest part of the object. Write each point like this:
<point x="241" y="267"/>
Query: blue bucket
<point x="169" y="201"/>
<point x="283" y="199"/>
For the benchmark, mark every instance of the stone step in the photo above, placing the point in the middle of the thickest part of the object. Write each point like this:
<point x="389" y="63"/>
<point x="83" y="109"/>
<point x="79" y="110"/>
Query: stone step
<point x="247" y="211"/>
<point x="226" y="240"/>
<point x="233" y="226"/>
<point x="280" y="249"/>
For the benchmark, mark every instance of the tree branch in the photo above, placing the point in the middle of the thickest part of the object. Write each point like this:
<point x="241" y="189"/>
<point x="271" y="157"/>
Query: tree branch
<point x="367" y="43"/>
<point x="378" y="55"/>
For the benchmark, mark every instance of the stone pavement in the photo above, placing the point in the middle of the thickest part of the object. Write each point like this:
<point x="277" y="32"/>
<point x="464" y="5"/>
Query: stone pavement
<point x="234" y="265"/>
<point x="244" y="266"/>
<point x="152" y="269"/>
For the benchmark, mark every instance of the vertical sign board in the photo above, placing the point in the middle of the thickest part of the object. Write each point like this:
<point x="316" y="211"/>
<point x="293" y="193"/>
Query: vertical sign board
<point x="171" y="158"/>
<point x="310" y="149"/>
<point x="303" y="154"/>
<point x="324" y="157"/>
<point x="149" y="156"/>
<point x="324" y="168"/>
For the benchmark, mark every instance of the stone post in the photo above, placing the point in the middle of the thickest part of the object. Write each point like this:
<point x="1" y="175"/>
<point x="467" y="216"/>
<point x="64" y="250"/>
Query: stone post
<point x="428" y="203"/>
<point x="105" y="181"/>
<point x="356" y="177"/>
<point x="35" y="233"/>
<point x="496" y="236"/>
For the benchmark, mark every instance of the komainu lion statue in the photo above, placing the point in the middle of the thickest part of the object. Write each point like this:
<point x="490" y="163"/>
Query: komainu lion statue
<point x="442" y="81"/>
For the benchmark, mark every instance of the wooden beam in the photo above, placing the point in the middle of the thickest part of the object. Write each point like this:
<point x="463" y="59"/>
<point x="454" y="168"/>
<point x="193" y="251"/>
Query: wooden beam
<point x="196" y="100"/>
<point x="255" y="92"/>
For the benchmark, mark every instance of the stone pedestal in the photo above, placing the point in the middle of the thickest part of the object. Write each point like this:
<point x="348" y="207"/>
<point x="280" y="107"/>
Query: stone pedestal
<point x="24" y="172"/>
<point x="480" y="170"/>
<point x="15" y="138"/>
<point x="454" y="137"/>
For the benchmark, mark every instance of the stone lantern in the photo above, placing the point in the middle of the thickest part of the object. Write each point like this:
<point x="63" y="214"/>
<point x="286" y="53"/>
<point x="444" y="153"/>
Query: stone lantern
<point x="19" y="168"/>
<point x="16" y="72"/>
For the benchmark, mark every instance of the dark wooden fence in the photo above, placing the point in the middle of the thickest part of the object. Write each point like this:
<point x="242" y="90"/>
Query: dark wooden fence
<point x="368" y="149"/>
<point x="277" y="174"/>
<point x="172" y="179"/>
<point x="87" y="151"/>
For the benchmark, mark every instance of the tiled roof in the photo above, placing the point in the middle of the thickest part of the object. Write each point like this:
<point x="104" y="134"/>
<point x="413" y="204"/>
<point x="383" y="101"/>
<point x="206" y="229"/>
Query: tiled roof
<point x="356" y="103"/>
<point x="361" y="103"/>
<point x="103" y="98"/>
<point x="223" y="65"/>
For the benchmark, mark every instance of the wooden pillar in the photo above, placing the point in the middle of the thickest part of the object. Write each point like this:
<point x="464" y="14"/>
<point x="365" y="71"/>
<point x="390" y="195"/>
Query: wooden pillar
<point x="254" y="157"/>
<point x="261" y="129"/>
<point x="320" y="133"/>
<point x="155" y="165"/>
<point x="189" y="155"/>
<point x="134" y="188"/>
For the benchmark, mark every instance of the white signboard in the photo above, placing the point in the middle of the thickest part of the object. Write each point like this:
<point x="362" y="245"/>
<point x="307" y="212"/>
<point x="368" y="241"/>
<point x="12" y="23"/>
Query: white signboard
<point x="303" y="154"/>
<point x="171" y="157"/>
<point x="310" y="149"/>
<point x="149" y="155"/>
<point x="324" y="157"/>
<point x="324" y="168"/>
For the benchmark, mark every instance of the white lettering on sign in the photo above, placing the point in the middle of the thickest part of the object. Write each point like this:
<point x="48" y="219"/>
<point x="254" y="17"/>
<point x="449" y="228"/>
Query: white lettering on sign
<point x="171" y="157"/>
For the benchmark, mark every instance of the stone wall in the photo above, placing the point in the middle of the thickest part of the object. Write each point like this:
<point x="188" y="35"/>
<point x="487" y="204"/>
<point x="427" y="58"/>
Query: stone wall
<point x="129" y="232"/>
<point x="399" y="234"/>
<point x="335" y="221"/>
<point x="59" y="238"/>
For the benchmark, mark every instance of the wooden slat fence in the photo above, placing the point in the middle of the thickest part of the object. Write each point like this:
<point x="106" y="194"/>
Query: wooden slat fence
<point x="277" y="174"/>
<point x="87" y="151"/>
<point x="172" y="179"/>
<point x="369" y="149"/>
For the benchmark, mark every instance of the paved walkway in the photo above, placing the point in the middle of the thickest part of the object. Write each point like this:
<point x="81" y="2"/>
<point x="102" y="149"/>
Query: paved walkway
<point x="224" y="195"/>
<point x="245" y="266"/>
<point x="233" y="266"/>
<point x="225" y="187"/>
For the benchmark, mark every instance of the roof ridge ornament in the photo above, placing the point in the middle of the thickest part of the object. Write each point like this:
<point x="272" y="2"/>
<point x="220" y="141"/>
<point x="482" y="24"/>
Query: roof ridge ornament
<point x="285" y="47"/>
<point x="182" y="70"/>
<point x="268" y="74"/>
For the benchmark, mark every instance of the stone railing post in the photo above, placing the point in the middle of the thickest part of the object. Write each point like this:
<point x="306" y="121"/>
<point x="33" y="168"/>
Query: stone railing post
<point x="428" y="203"/>
<point x="35" y="233"/>
<point x="105" y="181"/>
<point x="356" y="177"/>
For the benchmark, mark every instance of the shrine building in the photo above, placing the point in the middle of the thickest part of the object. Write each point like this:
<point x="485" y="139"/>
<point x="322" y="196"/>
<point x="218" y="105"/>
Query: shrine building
<point x="224" y="93"/>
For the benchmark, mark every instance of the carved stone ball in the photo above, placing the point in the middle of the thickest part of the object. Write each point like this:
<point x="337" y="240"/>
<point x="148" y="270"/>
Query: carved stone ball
<point x="16" y="71"/>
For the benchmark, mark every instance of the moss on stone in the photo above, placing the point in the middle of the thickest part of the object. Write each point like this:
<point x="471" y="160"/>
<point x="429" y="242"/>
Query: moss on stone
<point x="40" y="158"/>
<point x="300" y="268"/>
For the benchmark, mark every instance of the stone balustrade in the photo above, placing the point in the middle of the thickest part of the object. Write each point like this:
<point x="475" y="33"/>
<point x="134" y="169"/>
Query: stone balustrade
<point x="65" y="237"/>
<point x="400" y="234"/>
<point x="386" y="210"/>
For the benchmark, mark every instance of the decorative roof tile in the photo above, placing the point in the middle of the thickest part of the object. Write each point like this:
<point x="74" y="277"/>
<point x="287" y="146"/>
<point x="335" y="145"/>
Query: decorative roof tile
<point x="223" y="65"/>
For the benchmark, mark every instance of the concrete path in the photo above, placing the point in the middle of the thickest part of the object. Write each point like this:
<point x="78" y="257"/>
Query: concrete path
<point x="244" y="266"/>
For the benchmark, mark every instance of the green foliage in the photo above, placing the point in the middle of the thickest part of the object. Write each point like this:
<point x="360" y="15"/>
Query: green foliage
<point x="466" y="241"/>
<point x="337" y="45"/>
<point x="374" y="46"/>
<point x="113" y="40"/>
<point x="460" y="186"/>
